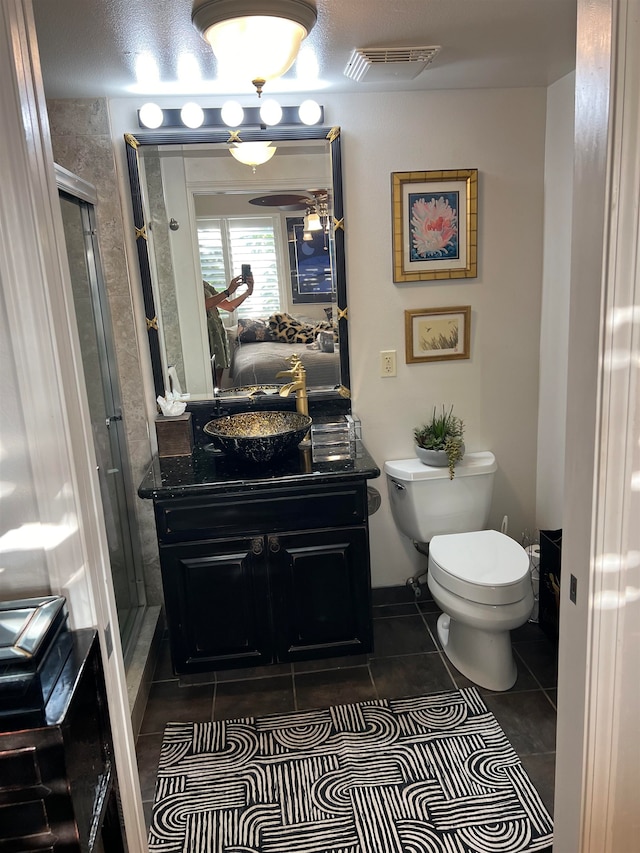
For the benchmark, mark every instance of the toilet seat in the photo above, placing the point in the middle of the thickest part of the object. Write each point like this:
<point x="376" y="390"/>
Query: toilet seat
<point x="484" y="566"/>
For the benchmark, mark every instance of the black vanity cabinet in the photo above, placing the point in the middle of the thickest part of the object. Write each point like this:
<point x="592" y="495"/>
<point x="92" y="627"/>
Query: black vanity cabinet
<point x="320" y="600"/>
<point x="216" y="598"/>
<point x="266" y="572"/>
<point x="58" y="786"/>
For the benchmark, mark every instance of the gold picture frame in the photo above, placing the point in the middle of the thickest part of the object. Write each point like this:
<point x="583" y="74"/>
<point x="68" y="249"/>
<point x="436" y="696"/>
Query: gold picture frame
<point x="437" y="334"/>
<point x="435" y="225"/>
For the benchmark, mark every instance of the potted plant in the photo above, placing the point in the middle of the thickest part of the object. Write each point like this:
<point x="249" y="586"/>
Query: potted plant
<point x="439" y="442"/>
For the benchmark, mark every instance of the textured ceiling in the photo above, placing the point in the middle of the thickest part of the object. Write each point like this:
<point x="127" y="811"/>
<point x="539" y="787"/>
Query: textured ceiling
<point x="90" y="48"/>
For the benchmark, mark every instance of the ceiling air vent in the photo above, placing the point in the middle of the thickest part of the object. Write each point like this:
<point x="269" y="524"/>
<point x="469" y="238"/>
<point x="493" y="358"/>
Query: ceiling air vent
<point x="377" y="64"/>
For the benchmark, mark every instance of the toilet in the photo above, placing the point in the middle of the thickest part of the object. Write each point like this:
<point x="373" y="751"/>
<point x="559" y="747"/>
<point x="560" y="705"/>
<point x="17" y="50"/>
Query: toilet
<point x="479" y="578"/>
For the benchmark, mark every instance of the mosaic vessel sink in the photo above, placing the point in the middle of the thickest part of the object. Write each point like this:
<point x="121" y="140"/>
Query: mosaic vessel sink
<point x="259" y="436"/>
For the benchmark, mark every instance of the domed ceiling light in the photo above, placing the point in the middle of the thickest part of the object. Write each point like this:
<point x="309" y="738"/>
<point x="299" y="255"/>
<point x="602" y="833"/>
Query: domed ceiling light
<point x="254" y="39"/>
<point x="253" y="153"/>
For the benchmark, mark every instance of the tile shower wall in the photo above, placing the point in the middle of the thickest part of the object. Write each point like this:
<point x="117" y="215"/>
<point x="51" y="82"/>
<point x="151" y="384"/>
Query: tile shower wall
<point x="81" y="140"/>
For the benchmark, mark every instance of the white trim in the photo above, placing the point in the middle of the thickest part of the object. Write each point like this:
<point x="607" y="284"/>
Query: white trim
<point x="611" y="820"/>
<point x="75" y="186"/>
<point x="598" y="752"/>
<point x="24" y="263"/>
<point x="36" y="285"/>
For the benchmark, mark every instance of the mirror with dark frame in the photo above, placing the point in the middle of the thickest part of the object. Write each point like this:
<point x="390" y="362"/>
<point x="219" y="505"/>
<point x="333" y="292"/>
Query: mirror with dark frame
<point x="199" y="214"/>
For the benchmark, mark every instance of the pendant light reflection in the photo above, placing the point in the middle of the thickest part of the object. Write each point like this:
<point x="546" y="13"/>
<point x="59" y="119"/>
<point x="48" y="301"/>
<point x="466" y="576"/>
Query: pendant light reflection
<point x="312" y="221"/>
<point x="253" y="153"/>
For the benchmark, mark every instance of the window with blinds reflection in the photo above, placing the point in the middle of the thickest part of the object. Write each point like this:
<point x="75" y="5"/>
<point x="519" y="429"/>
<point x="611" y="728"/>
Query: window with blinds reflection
<point x="227" y="242"/>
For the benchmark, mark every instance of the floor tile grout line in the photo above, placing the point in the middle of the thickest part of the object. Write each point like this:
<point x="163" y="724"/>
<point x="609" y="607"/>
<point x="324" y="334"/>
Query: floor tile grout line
<point x="429" y="631"/>
<point x="373" y="681"/>
<point x="293" y="688"/>
<point x="533" y="675"/>
<point x="445" y="662"/>
<point x="403" y="655"/>
<point x="551" y="702"/>
<point x="377" y="617"/>
<point x="443" y="657"/>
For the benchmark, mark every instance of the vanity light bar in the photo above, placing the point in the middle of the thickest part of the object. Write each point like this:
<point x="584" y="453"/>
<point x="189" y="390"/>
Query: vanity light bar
<point x="212" y="118"/>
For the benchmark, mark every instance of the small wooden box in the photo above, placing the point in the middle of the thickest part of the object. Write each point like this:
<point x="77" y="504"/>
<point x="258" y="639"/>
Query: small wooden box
<point x="175" y="435"/>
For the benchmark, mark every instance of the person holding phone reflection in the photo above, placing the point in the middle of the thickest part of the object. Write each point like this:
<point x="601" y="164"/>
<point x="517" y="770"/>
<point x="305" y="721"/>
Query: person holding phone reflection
<point x="213" y="301"/>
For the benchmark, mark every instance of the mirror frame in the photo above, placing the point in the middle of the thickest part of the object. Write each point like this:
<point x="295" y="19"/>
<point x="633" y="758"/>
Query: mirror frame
<point x="180" y="137"/>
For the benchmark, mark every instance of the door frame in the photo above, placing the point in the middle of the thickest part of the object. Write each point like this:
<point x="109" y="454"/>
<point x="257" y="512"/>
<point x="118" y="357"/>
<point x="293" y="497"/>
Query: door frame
<point x="36" y="287"/>
<point x="597" y="767"/>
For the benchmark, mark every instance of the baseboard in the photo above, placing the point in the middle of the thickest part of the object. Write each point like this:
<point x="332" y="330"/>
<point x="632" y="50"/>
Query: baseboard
<point x="142" y="664"/>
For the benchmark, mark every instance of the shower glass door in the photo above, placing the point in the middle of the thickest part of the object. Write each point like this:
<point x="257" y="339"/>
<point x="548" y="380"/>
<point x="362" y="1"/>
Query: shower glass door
<point x="98" y="361"/>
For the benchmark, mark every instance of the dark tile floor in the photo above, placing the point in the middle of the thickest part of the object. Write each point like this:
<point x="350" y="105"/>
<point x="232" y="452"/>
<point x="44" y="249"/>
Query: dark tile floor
<point x="407" y="660"/>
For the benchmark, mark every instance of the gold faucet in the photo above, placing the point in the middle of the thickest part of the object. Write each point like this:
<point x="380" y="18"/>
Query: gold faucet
<point x="299" y="375"/>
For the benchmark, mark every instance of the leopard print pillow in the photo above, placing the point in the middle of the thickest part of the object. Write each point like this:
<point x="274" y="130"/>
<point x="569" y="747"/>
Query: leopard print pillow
<point x="289" y="330"/>
<point x="253" y="331"/>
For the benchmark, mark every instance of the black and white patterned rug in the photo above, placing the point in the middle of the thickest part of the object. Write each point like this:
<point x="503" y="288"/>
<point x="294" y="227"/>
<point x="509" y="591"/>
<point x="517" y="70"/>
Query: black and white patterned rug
<point x="433" y="774"/>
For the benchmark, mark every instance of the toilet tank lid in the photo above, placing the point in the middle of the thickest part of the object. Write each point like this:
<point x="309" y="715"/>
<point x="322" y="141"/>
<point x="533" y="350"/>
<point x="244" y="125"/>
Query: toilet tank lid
<point x="483" y="462"/>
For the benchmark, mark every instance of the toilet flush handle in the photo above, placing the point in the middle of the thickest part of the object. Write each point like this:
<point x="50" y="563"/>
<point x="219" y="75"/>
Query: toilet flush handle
<point x="399" y="486"/>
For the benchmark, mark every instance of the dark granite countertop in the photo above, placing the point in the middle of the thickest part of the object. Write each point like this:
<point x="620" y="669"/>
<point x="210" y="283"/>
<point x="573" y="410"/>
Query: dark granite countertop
<point x="208" y="470"/>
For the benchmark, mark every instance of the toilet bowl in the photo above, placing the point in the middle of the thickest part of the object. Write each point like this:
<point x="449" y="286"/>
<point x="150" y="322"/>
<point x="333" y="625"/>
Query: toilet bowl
<point x="479" y="578"/>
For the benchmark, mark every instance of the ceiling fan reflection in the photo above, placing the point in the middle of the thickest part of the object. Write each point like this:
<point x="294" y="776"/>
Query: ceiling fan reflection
<point x="291" y="201"/>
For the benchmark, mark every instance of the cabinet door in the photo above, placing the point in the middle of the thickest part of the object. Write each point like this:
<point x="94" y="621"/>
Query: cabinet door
<point x="320" y="584"/>
<point x="217" y="602"/>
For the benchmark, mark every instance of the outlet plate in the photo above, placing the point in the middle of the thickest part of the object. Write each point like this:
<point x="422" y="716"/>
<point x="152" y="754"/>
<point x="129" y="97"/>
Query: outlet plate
<point x="387" y="363"/>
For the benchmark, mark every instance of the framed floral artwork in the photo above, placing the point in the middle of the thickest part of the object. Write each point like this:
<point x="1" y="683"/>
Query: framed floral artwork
<point x="437" y="334"/>
<point x="435" y="224"/>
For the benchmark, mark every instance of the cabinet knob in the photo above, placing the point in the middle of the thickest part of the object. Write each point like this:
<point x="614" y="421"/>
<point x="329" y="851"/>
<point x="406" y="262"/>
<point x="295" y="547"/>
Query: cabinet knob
<point x="257" y="546"/>
<point x="274" y="544"/>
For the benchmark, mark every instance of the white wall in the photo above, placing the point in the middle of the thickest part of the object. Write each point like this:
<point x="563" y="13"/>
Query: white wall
<point x="554" y="331"/>
<point x="502" y="134"/>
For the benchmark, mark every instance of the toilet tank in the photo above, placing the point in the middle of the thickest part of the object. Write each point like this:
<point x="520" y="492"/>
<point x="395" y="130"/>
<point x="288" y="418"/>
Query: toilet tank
<point x="426" y="503"/>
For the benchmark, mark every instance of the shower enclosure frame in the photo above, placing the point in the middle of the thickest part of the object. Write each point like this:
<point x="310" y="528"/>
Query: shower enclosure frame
<point x="76" y="189"/>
